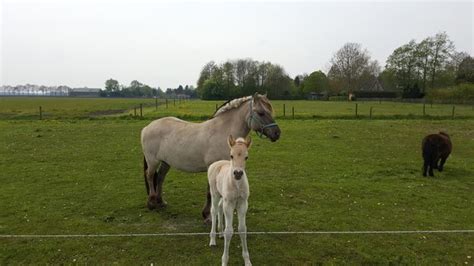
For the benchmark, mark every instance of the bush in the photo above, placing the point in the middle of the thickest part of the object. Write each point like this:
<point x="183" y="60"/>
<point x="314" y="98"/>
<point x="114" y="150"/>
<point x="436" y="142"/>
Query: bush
<point x="462" y="93"/>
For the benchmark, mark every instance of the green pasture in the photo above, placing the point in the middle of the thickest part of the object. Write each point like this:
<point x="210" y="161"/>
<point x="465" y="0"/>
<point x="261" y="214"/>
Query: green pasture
<point x="71" y="108"/>
<point x="81" y="176"/>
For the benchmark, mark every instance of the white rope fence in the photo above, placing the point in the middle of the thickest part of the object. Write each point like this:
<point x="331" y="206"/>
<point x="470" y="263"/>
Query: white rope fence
<point x="468" y="231"/>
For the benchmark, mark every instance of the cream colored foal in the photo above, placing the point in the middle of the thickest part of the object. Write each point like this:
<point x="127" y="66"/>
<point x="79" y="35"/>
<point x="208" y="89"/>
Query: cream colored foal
<point x="229" y="189"/>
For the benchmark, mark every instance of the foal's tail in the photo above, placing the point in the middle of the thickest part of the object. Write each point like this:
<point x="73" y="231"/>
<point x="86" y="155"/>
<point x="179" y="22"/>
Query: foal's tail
<point x="145" y="168"/>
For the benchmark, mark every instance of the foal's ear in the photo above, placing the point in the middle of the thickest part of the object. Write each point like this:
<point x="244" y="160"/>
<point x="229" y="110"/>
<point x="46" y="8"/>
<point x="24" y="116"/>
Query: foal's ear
<point x="248" y="142"/>
<point x="231" y="141"/>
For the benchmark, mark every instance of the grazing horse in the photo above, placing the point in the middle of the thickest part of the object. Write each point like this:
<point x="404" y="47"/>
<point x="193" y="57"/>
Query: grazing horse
<point x="436" y="149"/>
<point x="192" y="147"/>
<point x="229" y="191"/>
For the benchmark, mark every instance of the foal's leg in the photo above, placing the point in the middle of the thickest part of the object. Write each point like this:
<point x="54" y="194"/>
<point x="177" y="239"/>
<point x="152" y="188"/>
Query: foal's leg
<point x="214" y="214"/>
<point x="220" y="219"/>
<point x="228" y="208"/>
<point x="162" y="171"/>
<point x="241" y="212"/>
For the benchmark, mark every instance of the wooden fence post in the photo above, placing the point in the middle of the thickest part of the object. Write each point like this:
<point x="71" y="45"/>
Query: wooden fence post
<point x="41" y="113"/>
<point x="135" y="111"/>
<point x="156" y="104"/>
<point x="141" y="110"/>
<point x="284" y="111"/>
<point x="452" y="115"/>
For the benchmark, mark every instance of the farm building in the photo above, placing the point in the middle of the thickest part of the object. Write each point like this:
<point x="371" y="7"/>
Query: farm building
<point x="84" y="92"/>
<point x="317" y="96"/>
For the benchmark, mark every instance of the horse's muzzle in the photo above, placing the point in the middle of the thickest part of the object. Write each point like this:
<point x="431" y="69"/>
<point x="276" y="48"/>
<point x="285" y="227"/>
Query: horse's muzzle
<point x="274" y="134"/>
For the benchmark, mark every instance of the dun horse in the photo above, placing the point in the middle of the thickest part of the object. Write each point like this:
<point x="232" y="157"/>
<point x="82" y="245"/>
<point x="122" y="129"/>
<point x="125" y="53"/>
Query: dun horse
<point x="436" y="149"/>
<point x="229" y="191"/>
<point x="192" y="147"/>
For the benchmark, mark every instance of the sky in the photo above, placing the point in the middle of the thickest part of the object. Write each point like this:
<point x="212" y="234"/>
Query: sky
<point x="165" y="44"/>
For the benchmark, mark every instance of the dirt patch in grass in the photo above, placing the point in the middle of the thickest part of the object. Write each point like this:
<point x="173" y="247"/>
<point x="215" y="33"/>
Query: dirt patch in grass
<point x="107" y="112"/>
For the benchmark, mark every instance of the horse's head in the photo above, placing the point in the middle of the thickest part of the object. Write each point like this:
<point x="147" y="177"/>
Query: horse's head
<point x="261" y="117"/>
<point x="238" y="155"/>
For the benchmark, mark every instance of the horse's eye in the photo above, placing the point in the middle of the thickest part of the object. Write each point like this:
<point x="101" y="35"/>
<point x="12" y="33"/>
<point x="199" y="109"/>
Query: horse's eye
<point x="246" y="157"/>
<point x="232" y="156"/>
<point x="261" y="114"/>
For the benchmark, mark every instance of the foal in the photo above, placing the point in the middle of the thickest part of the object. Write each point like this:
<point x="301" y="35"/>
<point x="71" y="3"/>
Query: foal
<point x="229" y="189"/>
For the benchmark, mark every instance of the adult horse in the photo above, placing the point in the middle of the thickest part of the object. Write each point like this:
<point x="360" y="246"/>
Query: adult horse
<point x="192" y="147"/>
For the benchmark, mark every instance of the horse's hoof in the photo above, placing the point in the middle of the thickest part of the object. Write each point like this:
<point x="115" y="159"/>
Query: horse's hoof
<point x="151" y="205"/>
<point x="207" y="221"/>
<point x="161" y="204"/>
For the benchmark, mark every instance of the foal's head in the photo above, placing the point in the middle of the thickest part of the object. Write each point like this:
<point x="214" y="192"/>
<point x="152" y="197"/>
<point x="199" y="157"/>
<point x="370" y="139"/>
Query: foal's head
<point x="238" y="155"/>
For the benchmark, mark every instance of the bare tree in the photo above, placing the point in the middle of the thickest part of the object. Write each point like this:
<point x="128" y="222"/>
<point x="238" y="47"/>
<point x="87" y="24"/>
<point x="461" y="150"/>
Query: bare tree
<point x="349" y="64"/>
<point x="442" y="48"/>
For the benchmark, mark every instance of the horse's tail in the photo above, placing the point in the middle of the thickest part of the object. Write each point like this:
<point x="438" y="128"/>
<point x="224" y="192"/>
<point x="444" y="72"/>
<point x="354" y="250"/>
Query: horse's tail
<point x="145" y="168"/>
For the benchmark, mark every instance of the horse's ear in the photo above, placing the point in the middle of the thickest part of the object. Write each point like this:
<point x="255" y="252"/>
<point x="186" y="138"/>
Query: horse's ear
<point x="265" y="95"/>
<point x="255" y="97"/>
<point x="248" y="142"/>
<point x="231" y="141"/>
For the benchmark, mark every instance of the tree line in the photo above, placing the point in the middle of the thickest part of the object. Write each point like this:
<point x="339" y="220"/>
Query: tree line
<point x="410" y="71"/>
<point x="137" y="89"/>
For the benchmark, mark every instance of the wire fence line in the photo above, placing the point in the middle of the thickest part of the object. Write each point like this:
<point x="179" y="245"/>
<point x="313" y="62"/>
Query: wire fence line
<point x="373" y="232"/>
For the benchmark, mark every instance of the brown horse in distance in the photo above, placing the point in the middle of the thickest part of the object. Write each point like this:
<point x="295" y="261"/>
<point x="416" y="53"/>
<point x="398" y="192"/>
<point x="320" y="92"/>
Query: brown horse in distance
<point x="436" y="149"/>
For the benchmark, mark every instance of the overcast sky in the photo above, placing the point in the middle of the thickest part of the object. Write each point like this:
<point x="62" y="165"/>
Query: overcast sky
<point x="166" y="44"/>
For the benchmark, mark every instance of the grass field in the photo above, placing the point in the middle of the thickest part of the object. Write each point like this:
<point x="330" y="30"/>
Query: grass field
<point x="80" y="176"/>
<point x="73" y="108"/>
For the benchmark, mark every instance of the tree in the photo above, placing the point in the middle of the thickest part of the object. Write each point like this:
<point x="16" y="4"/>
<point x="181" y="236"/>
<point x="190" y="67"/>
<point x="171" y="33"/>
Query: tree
<point x="442" y="48"/>
<point x="348" y="64"/>
<point x="465" y="72"/>
<point x="402" y="63"/>
<point x="235" y="78"/>
<point x="316" y="82"/>
<point x="205" y="74"/>
<point x="112" y="85"/>
<point x="428" y="64"/>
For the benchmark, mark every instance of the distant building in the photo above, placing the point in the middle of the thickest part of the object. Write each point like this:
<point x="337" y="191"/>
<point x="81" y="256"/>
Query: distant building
<point x="317" y="96"/>
<point x="84" y="92"/>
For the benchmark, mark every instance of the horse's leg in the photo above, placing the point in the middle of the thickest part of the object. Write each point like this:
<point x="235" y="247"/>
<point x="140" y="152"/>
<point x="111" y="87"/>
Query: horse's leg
<point x="155" y="176"/>
<point x="241" y="212"/>
<point x="425" y="166"/>
<point x="432" y="166"/>
<point x="150" y="174"/>
<point x="229" y="230"/>
<point x="441" y="163"/>
<point x="162" y="171"/>
<point x="207" y="208"/>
